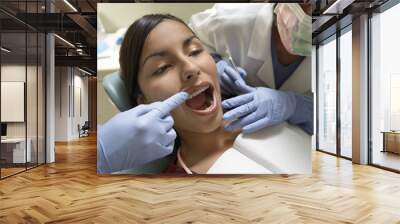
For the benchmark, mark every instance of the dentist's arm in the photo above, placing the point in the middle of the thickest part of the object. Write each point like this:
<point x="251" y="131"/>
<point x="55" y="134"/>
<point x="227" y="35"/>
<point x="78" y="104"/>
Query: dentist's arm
<point x="138" y="136"/>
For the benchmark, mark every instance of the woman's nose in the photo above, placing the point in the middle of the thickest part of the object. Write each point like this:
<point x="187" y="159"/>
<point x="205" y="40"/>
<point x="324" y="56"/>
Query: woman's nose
<point x="190" y="71"/>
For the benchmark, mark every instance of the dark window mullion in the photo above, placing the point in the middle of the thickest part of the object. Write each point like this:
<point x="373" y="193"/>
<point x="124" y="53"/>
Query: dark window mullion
<point x="0" y="98"/>
<point x="37" y="91"/>
<point x="338" y="73"/>
<point x="317" y="90"/>
<point x="26" y="88"/>
<point x="369" y="96"/>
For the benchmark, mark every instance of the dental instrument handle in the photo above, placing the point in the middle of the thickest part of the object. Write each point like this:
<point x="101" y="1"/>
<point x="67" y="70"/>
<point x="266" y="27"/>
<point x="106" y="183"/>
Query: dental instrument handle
<point x="232" y="63"/>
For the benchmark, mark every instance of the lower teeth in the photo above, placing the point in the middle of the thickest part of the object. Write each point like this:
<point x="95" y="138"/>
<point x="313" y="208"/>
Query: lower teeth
<point x="206" y="105"/>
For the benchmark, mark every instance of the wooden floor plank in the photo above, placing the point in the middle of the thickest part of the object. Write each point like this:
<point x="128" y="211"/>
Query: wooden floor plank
<point x="70" y="191"/>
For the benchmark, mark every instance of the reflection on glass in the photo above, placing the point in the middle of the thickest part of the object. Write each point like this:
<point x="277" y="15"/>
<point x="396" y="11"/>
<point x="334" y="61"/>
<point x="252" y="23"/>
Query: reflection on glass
<point x="327" y="97"/>
<point x="346" y="94"/>
<point x="385" y="84"/>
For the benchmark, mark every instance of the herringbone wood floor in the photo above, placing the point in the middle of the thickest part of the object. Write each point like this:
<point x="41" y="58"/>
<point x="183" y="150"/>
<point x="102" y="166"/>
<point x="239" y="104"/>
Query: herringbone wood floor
<point x="69" y="191"/>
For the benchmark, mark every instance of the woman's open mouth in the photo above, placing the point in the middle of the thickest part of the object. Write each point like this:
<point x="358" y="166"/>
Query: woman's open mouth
<point x="202" y="100"/>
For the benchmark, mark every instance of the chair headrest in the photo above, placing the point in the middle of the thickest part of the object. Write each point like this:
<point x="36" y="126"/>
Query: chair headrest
<point x="116" y="90"/>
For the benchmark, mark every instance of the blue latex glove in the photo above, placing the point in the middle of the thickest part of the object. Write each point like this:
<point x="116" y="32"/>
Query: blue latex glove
<point x="138" y="136"/>
<point x="228" y="77"/>
<point x="259" y="108"/>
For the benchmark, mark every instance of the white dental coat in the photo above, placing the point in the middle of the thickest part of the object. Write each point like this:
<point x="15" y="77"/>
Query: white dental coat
<point x="244" y="32"/>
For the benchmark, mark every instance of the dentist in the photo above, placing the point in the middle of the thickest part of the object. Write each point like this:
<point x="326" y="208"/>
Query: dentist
<point x="275" y="83"/>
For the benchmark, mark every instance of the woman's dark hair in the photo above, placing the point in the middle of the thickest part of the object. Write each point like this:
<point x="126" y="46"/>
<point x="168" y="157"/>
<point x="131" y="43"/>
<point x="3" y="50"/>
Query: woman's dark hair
<point x="131" y="50"/>
<point x="132" y="46"/>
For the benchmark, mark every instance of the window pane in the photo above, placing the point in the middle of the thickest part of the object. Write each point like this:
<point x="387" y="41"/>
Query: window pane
<point x="345" y="94"/>
<point x="327" y="97"/>
<point x="385" y="86"/>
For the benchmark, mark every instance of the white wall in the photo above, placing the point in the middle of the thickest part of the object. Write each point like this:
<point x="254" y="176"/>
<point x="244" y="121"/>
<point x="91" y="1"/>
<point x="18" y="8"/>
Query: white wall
<point x="114" y="16"/>
<point x="12" y="73"/>
<point x="79" y="117"/>
<point x="33" y="126"/>
<point x="69" y="82"/>
<point x="61" y="103"/>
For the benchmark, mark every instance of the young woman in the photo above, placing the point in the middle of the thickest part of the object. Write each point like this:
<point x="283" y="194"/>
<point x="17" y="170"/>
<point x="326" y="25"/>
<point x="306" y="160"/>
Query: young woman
<point x="161" y="56"/>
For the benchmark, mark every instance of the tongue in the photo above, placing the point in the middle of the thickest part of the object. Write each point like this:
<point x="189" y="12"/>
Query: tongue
<point x="197" y="102"/>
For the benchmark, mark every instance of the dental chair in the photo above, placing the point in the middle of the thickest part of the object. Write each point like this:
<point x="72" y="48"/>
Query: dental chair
<point x="116" y="90"/>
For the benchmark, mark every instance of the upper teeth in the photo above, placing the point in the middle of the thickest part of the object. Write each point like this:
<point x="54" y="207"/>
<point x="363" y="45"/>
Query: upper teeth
<point x="198" y="91"/>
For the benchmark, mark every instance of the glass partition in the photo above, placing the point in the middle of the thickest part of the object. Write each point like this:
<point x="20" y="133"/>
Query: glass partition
<point x="13" y="105"/>
<point x="22" y="90"/>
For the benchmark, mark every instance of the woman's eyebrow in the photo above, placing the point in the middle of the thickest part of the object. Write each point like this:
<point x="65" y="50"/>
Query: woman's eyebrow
<point x="188" y="40"/>
<point x="186" y="43"/>
<point x="156" y="54"/>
